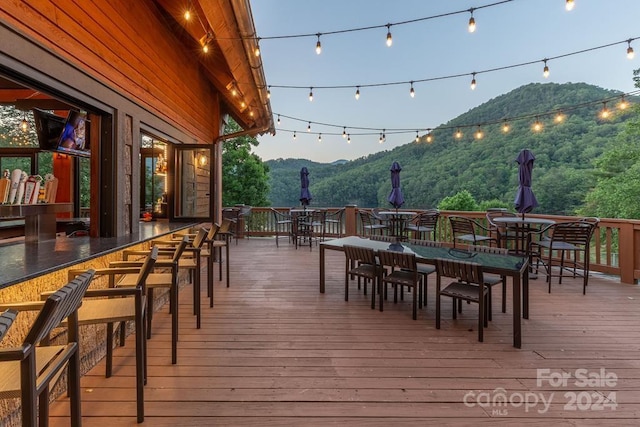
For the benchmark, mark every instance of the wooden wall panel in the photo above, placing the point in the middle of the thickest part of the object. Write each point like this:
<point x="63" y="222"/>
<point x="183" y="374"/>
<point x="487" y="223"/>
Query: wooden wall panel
<point x="130" y="47"/>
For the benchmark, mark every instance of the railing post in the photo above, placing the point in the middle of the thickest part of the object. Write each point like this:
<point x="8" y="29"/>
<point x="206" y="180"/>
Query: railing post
<point x="351" y="220"/>
<point x="626" y="253"/>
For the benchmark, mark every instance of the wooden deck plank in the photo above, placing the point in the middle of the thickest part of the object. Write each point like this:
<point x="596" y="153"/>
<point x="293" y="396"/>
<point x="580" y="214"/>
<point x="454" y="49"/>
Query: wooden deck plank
<point x="275" y="352"/>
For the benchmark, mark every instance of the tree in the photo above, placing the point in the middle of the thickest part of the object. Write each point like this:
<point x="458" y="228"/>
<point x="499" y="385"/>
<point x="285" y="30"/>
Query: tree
<point x="244" y="176"/>
<point x="461" y="201"/>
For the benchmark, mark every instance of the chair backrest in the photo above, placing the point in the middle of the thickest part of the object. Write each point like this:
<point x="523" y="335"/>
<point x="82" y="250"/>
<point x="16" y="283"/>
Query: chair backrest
<point x="428" y="218"/>
<point x="213" y="230"/>
<point x="225" y="226"/>
<point x="180" y="249"/>
<point x="199" y="239"/>
<point x="375" y="213"/>
<point x="429" y="243"/>
<point x="383" y="238"/>
<point x="463" y="271"/>
<point x="498" y="214"/>
<point x="488" y="249"/>
<point x="360" y="254"/>
<point x="403" y="260"/>
<point x="461" y="225"/>
<point x="575" y="232"/>
<point x="58" y="306"/>
<point x="6" y="320"/>
<point x="147" y="267"/>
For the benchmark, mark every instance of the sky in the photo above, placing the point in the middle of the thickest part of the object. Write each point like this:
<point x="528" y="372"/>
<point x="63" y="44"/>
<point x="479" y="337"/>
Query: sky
<point x="515" y="32"/>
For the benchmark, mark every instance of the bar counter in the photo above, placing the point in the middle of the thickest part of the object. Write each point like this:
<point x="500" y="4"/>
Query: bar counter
<point x="20" y="262"/>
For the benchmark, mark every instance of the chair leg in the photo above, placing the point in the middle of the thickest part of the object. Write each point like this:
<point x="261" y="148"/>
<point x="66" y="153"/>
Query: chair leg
<point x="173" y="295"/>
<point x="140" y="361"/>
<point x="415" y="304"/>
<point x="109" y="361"/>
<point x="73" y="389"/>
<point x="504" y="294"/>
<point x="150" y="311"/>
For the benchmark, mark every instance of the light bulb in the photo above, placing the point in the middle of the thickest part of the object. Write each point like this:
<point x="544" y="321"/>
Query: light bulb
<point x="250" y="113"/>
<point x="256" y="51"/>
<point x="205" y="48"/>
<point x="389" y="38"/>
<point x="318" y="45"/>
<point x="344" y="132"/>
<point x="604" y="113"/>
<point x="473" y="81"/>
<point x="310" y="94"/>
<point x="537" y="126"/>
<point x="472" y="22"/>
<point x="319" y="137"/>
<point x="559" y="118"/>
<point x="380" y="139"/>
<point x="429" y="138"/>
<point x="357" y="93"/>
<point x="234" y="91"/>
<point x="24" y="125"/>
<point x="412" y="92"/>
<point x="545" y="71"/>
<point x="458" y="134"/>
<point x="309" y="127"/>
<point x="569" y="4"/>
<point x="278" y="118"/>
<point x="294" y="135"/>
<point x="348" y="139"/>
<point x="630" y="52"/>
<point x="479" y="134"/>
<point x="505" y="127"/>
<point x="623" y="104"/>
<point x="269" y="93"/>
<point x="187" y="15"/>
<point x="417" y="137"/>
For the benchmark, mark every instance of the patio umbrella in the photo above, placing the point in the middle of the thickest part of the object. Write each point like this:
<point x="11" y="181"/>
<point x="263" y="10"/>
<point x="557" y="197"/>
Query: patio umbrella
<point x="395" y="197"/>
<point x="525" y="199"/>
<point x="305" y="194"/>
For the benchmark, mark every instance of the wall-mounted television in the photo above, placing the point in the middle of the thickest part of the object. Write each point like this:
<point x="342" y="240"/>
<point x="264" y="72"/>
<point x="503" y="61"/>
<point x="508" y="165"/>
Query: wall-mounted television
<point x="69" y="136"/>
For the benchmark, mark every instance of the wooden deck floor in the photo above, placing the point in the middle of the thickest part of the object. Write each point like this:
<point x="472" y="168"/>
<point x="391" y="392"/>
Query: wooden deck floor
<point x="276" y="352"/>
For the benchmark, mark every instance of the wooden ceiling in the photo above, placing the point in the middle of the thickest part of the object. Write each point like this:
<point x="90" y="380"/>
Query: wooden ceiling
<point x="230" y="64"/>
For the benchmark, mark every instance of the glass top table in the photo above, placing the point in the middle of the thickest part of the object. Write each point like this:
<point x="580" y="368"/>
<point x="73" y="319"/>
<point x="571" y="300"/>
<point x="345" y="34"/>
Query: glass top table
<point x="514" y="266"/>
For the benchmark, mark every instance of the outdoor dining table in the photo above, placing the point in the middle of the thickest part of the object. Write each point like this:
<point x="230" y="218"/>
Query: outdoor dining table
<point x="514" y="266"/>
<point x="397" y="221"/>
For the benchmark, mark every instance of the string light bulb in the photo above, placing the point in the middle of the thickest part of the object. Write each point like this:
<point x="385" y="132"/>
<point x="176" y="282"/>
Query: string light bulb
<point x="472" y="22"/>
<point x="318" y="45"/>
<point x="278" y="119"/>
<point x="309" y="127"/>
<point x="417" y="137"/>
<point x="269" y="92"/>
<point x="389" y="38"/>
<point x="505" y="127"/>
<point x="623" y="103"/>
<point x="187" y="15"/>
<point x="429" y="137"/>
<point x="357" y="93"/>
<point x="380" y="139"/>
<point x="537" y="125"/>
<point x="569" y="4"/>
<point x="473" y="81"/>
<point x="256" y="51"/>
<point x="604" y="113"/>
<point x="348" y="139"/>
<point x="545" y="71"/>
<point x="630" y="52"/>
<point x="412" y="92"/>
<point x="559" y="117"/>
<point x="458" y="134"/>
<point x="344" y="132"/>
<point x="205" y="47"/>
<point x="294" y="135"/>
<point x="310" y="94"/>
<point x="479" y="134"/>
<point x="24" y="125"/>
<point x="319" y="137"/>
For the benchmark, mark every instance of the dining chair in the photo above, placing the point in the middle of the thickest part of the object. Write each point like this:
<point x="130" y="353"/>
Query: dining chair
<point x="30" y="371"/>
<point x="500" y="231"/>
<point x="362" y="263"/>
<point x="425" y="269"/>
<point x="468" y="285"/>
<point x="221" y="240"/>
<point x="233" y="215"/>
<point x="468" y="231"/>
<point x="120" y="305"/>
<point x="404" y="272"/>
<point x="369" y="225"/>
<point x="491" y="280"/>
<point x="334" y="222"/>
<point x="6" y="320"/>
<point x="424" y="225"/>
<point x="282" y="223"/>
<point x="571" y="236"/>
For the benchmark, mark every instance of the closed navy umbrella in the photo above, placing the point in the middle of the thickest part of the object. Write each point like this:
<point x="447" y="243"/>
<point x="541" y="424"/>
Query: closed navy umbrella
<point x="395" y="197"/>
<point x="525" y="199"/>
<point x="305" y="194"/>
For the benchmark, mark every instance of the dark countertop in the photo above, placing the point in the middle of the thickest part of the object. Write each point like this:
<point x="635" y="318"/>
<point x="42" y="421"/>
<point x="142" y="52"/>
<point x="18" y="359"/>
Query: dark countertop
<point x="20" y="262"/>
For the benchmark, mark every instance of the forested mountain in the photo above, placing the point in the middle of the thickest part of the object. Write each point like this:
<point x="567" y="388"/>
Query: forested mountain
<point x="563" y="172"/>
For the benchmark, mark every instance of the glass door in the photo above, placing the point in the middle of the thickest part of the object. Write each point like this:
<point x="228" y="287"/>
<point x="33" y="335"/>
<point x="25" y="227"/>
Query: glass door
<point x="193" y="182"/>
<point x="154" y="173"/>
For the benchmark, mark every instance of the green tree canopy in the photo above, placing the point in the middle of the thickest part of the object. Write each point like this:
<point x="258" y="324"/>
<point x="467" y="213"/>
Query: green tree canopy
<point x="244" y="175"/>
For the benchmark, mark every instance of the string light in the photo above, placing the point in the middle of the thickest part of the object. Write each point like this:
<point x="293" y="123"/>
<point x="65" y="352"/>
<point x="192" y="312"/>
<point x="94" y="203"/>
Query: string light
<point x="604" y="113"/>
<point x="319" y="137"/>
<point x="24" y="125"/>
<point x="269" y="92"/>
<point x="310" y="94"/>
<point x="559" y="118"/>
<point x="256" y="51"/>
<point x="537" y="125"/>
<point x="380" y="139"/>
<point x="479" y="134"/>
<point x="389" y="38"/>
<point x="357" y="93"/>
<point x="545" y="71"/>
<point x="187" y="15"/>
<point x="412" y="92"/>
<point x="344" y="132"/>
<point x="630" y="53"/>
<point x="623" y="104"/>
<point x="473" y="81"/>
<point x="472" y="22"/>
<point x="318" y="45"/>
<point x="458" y="134"/>
<point x="294" y="135"/>
<point x="278" y="119"/>
<point x="429" y="137"/>
<point x="417" y="137"/>
<point x="348" y="139"/>
<point x="569" y="4"/>
<point x="309" y="127"/>
<point x="505" y="127"/>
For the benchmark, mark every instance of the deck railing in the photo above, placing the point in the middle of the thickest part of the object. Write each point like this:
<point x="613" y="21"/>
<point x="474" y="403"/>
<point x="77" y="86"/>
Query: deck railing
<point x="615" y="247"/>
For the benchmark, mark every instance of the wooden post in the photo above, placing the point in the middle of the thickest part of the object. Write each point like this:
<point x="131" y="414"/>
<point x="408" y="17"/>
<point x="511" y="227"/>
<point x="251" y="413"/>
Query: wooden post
<point x="351" y="220"/>
<point x="627" y="253"/>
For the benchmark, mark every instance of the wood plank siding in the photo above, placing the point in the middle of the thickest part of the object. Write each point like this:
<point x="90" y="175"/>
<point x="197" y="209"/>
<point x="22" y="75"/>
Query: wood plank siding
<point x="130" y="47"/>
<point x="275" y="352"/>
